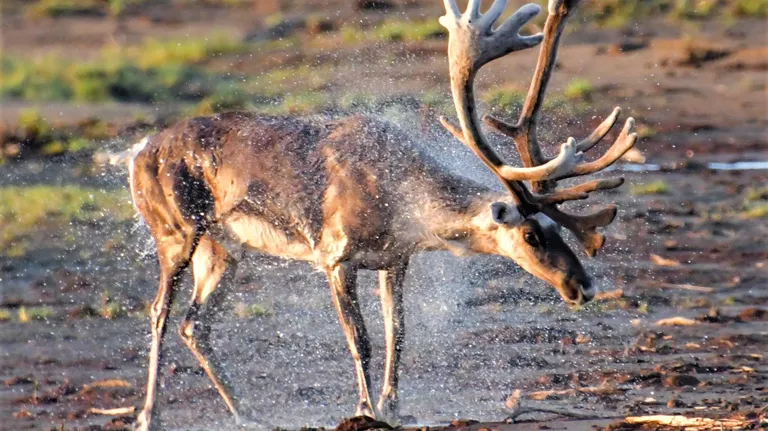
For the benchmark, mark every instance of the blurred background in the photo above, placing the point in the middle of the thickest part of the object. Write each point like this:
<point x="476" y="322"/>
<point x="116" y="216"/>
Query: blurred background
<point x="77" y="268"/>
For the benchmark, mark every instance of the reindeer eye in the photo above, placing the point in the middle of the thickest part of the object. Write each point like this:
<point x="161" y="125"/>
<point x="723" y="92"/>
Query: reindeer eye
<point x="531" y="239"/>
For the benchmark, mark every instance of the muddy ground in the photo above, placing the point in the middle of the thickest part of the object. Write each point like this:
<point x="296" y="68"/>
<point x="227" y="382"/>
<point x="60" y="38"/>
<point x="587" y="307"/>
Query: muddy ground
<point x="690" y="241"/>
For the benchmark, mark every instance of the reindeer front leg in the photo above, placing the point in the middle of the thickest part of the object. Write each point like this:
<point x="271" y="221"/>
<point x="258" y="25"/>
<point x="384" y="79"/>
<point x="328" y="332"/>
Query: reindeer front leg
<point x="391" y="293"/>
<point x="343" y="280"/>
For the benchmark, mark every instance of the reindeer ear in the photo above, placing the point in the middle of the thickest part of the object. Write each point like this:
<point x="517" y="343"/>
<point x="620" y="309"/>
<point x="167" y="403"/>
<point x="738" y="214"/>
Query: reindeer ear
<point x="506" y="214"/>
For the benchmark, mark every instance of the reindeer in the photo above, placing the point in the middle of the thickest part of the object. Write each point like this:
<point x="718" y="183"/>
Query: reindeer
<point x="358" y="193"/>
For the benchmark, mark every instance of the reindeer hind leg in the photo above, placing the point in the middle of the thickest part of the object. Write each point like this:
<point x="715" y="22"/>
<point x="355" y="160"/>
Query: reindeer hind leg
<point x="213" y="271"/>
<point x="177" y="207"/>
<point x="174" y="255"/>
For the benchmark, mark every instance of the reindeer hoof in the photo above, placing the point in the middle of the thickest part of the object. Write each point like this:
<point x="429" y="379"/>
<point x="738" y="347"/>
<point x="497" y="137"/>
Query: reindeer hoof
<point x="366" y="409"/>
<point x="388" y="411"/>
<point x="143" y="421"/>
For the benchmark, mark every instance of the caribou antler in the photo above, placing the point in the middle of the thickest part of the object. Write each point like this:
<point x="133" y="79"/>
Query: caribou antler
<point x="473" y="42"/>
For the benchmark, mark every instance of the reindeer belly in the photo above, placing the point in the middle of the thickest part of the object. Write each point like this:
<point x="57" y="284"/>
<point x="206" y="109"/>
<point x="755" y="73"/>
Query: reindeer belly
<point x="378" y="259"/>
<point x="240" y="232"/>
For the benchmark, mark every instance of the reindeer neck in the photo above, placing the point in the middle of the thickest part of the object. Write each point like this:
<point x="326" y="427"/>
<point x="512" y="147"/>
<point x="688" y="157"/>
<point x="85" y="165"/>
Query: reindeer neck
<point x="462" y="224"/>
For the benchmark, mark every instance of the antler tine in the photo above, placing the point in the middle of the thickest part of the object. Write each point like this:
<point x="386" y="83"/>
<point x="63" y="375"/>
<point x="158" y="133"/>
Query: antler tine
<point x="473" y="8"/>
<point x="524" y="132"/>
<point x="599" y="133"/>
<point x="579" y="191"/>
<point x="494" y="12"/>
<point x="623" y="143"/>
<point x="584" y="227"/>
<point x="451" y="9"/>
<point x="558" y="167"/>
<point x="583" y="146"/>
<point x="501" y="126"/>
<point x="454" y="129"/>
<point x="471" y="44"/>
<point x="565" y="164"/>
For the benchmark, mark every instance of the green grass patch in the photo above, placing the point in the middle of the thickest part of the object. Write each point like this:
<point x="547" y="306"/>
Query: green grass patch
<point x="24" y="209"/>
<point x="579" y="89"/>
<point x="694" y="9"/>
<point x="643" y="307"/>
<point x="151" y="71"/>
<point x="645" y="131"/>
<point x="278" y="91"/>
<point x="225" y="99"/>
<point x="26" y="315"/>
<point x="357" y="101"/>
<point x="394" y="31"/>
<point x="506" y="101"/>
<point x="250" y="311"/>
<point x="34" y="136"/>
<point x="440" y="103"/>
<point x="111" y="307"/>
<point x="755" y="203"/>
<point x="57" y="8"/>
<point x="351" y="34"/>
<point x="563" y="105"/>
<point x="58" y="79"/>
<point x="303" y="103"/>
<point x="32" y="204"/>
<point x="275" y="83"/>
<point x="32" y="123"/>
<point x="112" y="310"/>
<point x="756" y="194"/>
<point x="652" y="188"/>
<point x="5" y="315"/>
<point x="38" y="80"/>
<point x="409" y="31"/>
<point x="756" y="211"/>
<point x="749" y="8"/>
<point x="622" y="13"/>
<point x="153" y="53"/>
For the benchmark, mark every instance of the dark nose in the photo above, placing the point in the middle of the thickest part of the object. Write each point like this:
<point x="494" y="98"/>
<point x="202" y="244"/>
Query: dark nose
<point x="586" y="290"/>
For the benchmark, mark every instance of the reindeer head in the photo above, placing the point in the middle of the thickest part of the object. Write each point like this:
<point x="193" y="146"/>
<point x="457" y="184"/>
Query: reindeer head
<point x="527" y="231"/>
<point x="535" y="244"/>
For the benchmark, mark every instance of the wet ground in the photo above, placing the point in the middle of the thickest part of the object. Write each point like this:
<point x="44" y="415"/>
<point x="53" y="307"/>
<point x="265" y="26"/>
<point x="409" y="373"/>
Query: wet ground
<point x="478" y="329"/>
<point x="690" y="241"/>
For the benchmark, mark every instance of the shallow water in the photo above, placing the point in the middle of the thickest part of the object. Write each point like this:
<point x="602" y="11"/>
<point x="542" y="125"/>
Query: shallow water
<point x="748" y="165"/>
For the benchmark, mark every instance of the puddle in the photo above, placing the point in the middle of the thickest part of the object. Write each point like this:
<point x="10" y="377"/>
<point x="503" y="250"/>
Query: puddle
<point x="739" y="166"/>
<point x="716" y="166"/>
<point x="635" y="167"/>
